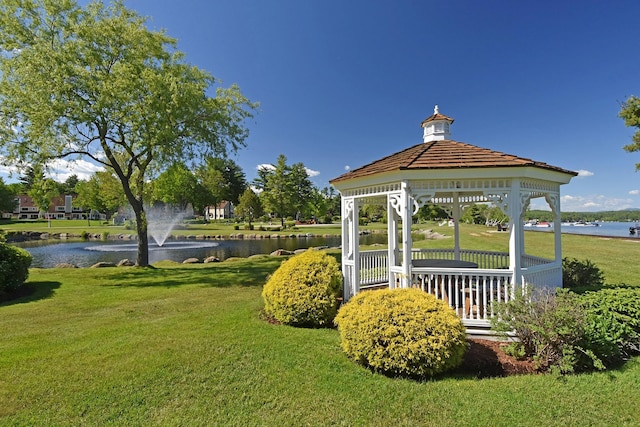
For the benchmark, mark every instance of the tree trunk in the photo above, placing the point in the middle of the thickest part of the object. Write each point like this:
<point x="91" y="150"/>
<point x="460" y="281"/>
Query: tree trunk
<point x="143" y="237"/>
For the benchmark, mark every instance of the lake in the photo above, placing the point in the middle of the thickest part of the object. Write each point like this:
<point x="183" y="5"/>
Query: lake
<point x="611" y="229"/>
<point x="48" y="253"/>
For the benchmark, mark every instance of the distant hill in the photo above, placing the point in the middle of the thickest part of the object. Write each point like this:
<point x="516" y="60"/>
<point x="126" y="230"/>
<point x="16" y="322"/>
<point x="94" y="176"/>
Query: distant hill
<point x="630" y="215"/>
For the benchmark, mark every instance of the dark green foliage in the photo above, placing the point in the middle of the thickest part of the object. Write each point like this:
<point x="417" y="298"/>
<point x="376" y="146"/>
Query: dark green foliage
<point x="402" y="332"/>
<point x="568" y="332"/>
<point x="14" y="268"/>
<point x="614" y="322"/>
<point x="581" y="274"/>
<point x="551" y="328"/>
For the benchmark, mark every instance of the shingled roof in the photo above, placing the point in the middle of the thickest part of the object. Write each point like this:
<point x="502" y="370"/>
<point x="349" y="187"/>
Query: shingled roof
<point x="444" y="154"/>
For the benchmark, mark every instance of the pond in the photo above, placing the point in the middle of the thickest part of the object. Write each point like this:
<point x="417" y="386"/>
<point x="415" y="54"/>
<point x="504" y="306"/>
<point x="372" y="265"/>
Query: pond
<point x="48" y="253"/>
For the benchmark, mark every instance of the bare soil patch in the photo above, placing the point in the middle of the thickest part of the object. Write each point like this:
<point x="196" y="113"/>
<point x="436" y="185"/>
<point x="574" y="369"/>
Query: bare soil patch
<point x="486" y="359"/>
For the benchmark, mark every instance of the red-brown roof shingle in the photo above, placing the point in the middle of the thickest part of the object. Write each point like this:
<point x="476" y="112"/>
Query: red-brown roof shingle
<point x="444" y="154"/>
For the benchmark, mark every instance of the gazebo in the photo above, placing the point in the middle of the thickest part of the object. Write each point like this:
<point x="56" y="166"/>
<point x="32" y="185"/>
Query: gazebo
<point x="452" y="175"/>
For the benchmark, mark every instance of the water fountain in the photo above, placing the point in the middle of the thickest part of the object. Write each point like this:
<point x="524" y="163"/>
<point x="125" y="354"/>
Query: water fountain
<point x="160" y="224"/>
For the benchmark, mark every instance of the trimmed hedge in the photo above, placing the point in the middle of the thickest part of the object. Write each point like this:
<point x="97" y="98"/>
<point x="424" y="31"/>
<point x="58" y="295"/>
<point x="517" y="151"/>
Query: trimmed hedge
<point x="304" y="290"/>
<point x="402" y="332"/>
<point x="14" y="268"/>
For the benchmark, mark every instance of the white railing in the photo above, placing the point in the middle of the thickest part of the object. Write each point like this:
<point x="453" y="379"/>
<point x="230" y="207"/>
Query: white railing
<point x="484" y="259"/>
<point x="469" y="291"/>
<point x="374" y="267"/>
<point x="543" y="276"/>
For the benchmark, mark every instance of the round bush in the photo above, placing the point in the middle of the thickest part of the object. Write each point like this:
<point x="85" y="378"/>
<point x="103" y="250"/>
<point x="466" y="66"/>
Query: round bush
<point x="304" y="290"/>
<point x="14" y="268"/>
<point x="402" y="332"/>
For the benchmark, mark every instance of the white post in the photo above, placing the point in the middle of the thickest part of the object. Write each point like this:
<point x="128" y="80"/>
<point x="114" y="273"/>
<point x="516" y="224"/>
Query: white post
<point x="355" y="242"/>
<point x="557" y="231"/>
<point x="406" y="203"/>
<point x="516" y="236"/>
<point x="350" y="248"/>
<point x="456" y="225"/>
<point x="392" y="241"/>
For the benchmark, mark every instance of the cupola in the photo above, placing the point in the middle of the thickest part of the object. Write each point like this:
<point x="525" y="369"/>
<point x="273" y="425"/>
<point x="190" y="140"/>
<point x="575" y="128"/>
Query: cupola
<point x="436" y="126"/>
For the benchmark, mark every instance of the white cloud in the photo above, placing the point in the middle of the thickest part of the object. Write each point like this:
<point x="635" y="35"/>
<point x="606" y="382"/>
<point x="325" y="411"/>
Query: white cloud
<point x="594" y="203"/>
<point x="270" y="167"/>
<point x="634" y="192"/>
<point x="347" y="167"/>
<point x="311" y="172"/>
<point x="582" y="173"/>
<point x="267" y="166"/>
<point x="61" y="169"/>
<point x="8" y="169"/>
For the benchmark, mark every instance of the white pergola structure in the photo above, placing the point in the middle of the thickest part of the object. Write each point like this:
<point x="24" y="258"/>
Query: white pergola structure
<point x="452" y="175"/>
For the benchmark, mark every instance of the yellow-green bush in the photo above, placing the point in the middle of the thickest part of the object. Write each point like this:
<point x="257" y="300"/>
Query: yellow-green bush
<point x="401" y="332"/>
<point x="304" y="290"/>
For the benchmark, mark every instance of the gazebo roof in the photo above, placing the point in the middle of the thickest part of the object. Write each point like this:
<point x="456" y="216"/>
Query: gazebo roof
<point x="445" y="154"/>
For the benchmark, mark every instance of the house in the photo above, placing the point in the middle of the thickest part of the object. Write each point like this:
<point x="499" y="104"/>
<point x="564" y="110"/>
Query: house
<point x="223" y="210"/>
<point x="61" y="207"/>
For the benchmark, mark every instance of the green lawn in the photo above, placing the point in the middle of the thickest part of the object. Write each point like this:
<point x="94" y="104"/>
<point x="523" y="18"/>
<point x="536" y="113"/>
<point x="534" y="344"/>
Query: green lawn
<point x="186" y="345"/>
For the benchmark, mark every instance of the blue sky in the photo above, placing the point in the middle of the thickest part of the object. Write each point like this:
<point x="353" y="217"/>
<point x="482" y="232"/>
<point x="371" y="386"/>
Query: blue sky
<point x="342" y="83"/>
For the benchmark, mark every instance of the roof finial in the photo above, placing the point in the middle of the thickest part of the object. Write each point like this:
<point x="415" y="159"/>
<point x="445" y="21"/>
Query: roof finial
<point x="435" y="109"/>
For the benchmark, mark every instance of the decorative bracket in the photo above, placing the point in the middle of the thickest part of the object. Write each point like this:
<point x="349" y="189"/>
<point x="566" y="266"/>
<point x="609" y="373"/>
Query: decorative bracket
<point x="395" y="201"/>
<point x="499" y="200"/>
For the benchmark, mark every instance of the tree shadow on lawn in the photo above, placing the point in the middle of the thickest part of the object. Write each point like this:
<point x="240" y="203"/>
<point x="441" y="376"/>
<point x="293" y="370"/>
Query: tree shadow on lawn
<point x="220" y="276"/>
<point x="30" y="291"/>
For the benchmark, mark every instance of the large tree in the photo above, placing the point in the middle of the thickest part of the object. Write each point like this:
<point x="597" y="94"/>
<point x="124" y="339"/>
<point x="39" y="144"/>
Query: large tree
<point x="176" y="186"/>
<point x="223" y="180"/>
<point x="94" y="82"/>
<point x="630" y="113"/>
<point x="7" y="198"/>
<point x="287" y="189"/>
<point x="102" y="192"/>
<point x="249" y="206"/>
<point x="42" y="190"/>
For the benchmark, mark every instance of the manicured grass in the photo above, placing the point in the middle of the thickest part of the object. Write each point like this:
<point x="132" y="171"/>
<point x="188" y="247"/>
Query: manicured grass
<point x="186" y="345"/>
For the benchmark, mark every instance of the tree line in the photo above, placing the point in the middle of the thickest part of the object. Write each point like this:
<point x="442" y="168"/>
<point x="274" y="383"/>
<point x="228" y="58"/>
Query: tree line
<point x="282" y="191"/>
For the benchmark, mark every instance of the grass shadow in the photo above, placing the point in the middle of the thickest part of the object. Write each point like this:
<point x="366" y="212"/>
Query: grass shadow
<point x="221" y="275"/>
<point x="31" y="291"/>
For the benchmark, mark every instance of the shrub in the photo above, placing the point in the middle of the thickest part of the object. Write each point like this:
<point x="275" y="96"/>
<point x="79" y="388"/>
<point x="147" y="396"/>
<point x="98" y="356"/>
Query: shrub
<point x="613" y="324"/>
<point x="552" y="328"/>
<point x="304" y="290"/>
<point x="401" y="332"/>
<point x="84" y="235"/>
<point x="105" y="235"/>
<point x="581" y="274"/>
<point x="14" y="268"/>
